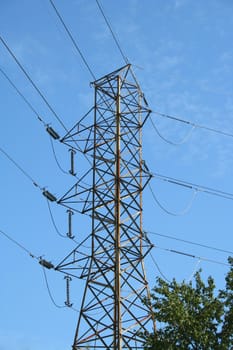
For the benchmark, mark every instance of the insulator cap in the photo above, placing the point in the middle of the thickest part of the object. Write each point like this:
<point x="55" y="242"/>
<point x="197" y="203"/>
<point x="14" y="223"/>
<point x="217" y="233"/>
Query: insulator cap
<point x="46" y="264"/>
<point x="49" y="196"/>
<point x="52" y="133"/>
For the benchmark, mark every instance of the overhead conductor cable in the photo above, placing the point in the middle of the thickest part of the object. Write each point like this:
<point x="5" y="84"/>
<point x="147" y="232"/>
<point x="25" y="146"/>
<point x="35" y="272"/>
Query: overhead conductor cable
<point x="22" y="96"/>
<point x="194" y="125"/>
<point x="117" y="42"/>
<point x="72" y="39"/>
<point x="52" y="133"/>
<point x="185" y="139"/>
<point x="190" y="242"/>
<point x="190" y="185"/>
<point x="45" y="192"/>
<point x="18" y="244"/>
<point x="32" y="82"/>
<point x="20" y="168"/>
<point x="189" y="255"/>
<point x="183" y="212"/>
<point x="50" y="130"/>
<point x="112" y="32"/>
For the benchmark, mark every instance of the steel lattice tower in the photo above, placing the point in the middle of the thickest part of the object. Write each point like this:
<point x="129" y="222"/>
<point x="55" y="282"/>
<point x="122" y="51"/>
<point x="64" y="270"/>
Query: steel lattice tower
<point x="113" y="314"/>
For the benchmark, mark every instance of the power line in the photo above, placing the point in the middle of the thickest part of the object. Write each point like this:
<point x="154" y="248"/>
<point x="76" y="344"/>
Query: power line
<point x="18" y="244"/>
<point x="53" y="221"/>
<point x="185" y="139"/>
<point x="191" y="242"/>
<point x="39" y="92"/>
<point x="34" y="257"/>
<point x="51" y="296"/>
<point x="58" y="231"/>
<point x="35" y="184"/>
<point x="56" y="159"/>
<point x="33" y="84"/>
<point x="112" y="32"/>
<point x="72" y="39"/>
<point x="190" y="255"/>
<point x="25" y="173"/>
<point x="192" y="186"/>
<point x="22" y="96"/>
<point x="157" y="266"/>
<point x="36" y="113"/>
<point x="49" y="291"/>
<point x="183" y="212"/>
<point x="194" y="125"/>
<point x="116" y="41"/>
<point x="45" y="192"/>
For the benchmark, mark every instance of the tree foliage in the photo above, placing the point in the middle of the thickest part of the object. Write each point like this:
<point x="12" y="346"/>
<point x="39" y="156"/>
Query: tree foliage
<point x="192" y="315"/>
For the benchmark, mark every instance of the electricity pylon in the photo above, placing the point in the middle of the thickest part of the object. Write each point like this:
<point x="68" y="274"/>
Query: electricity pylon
<point x="113" y="314"/>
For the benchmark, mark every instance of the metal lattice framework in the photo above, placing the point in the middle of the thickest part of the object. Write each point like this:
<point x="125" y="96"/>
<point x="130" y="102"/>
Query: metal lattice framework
<point x="113" y="314"/>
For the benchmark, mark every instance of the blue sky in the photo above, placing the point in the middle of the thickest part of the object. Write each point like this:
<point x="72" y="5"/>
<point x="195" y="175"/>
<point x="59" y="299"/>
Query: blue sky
<point x="182" y="55"/>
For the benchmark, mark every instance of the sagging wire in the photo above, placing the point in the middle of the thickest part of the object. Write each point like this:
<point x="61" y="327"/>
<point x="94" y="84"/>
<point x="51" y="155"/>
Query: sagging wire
<point x="183" y="212"/>
<point x="69" y="234"/>
<point x="48" y="195"/>
<point x="67" y="303"/>
<point x="185" y="139"/>
<point x="49" y="291"/>
<point x="71" y="171"/>
<point x="56" y="159"/>
<point x="53" y="221"/>
<point x="44" y="264"/>
<point x="45" y="192"/>
<point x="188" y="255"/>
<point x="157" y="266"/>
<point x="41" y="261"/>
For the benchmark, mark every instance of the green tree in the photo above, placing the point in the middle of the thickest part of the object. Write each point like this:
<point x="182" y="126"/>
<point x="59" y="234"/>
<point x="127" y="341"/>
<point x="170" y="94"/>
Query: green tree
<point x="192" y="315"/>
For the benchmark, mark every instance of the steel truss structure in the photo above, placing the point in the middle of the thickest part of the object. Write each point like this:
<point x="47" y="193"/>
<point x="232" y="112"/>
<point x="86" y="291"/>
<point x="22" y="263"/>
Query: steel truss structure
<point x="113" y="314"/>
